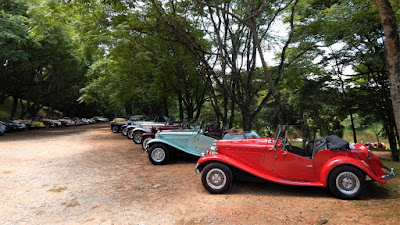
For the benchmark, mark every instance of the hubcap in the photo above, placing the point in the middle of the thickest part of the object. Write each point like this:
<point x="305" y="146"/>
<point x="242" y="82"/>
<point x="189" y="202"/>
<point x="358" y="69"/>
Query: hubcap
<point x="130" y="135"/>
<point x="158" y="154"/>
<point x="216" y="178"/>
<point x="347" y="183"/>
<point x="124" y="131"/>
<point x="137" y="137"/>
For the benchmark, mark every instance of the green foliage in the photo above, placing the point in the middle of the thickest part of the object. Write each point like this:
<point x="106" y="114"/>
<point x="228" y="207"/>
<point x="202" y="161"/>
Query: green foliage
<point x="199" y="59"/>
<point x="43" y="65"/>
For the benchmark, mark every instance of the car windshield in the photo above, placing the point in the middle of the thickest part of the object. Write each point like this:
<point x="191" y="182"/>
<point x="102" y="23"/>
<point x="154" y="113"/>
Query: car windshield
<point x="305" y="142"/>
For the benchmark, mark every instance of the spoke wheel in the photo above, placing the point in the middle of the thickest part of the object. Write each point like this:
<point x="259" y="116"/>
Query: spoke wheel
<point x="347" y="182"/>
<point x="137" y="137"/>
<point x="130" y="134"/>
<point x="217" y="178"/>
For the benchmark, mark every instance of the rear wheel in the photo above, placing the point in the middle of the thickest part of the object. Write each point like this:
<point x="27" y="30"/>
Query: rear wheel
<point x="217" y="178"/>
<point x="159" y="154"/>
<point x="346" y="182"/>
<point x="137" y="137"/>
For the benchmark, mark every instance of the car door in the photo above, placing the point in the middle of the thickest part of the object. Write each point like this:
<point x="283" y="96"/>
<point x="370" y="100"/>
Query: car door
<point x="292" y="167"/>
<point x="287" y="165"/>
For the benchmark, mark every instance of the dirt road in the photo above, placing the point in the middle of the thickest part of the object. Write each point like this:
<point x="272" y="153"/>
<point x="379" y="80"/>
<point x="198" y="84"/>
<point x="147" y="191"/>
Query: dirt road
<point x="89" y="175"/>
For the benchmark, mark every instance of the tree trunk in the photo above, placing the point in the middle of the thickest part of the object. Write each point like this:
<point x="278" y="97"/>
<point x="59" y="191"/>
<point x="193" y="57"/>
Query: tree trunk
<point x="392" y="53"/>
<point x="23" y="112"/>
<point x="165" y="106"/>
<point x="14" y="107"/>
<point x="268" y="76"/>
<point x="231" y="117"/>
<point x="246" y="120"/>
<point x="181" y="115"/>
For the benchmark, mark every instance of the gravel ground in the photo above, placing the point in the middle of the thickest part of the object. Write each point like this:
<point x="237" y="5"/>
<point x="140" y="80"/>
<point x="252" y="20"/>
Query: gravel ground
<point x="89" y="175"/>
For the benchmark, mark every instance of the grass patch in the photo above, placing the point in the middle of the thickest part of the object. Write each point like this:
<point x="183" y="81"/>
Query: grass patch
<point x="393" y="185"/>
<point x="391" y="163"/>
<point x="57" y="190"/>
<point x="361" y="203"/>
<point x="363" y="136"/>
<point x="71" y="203"/>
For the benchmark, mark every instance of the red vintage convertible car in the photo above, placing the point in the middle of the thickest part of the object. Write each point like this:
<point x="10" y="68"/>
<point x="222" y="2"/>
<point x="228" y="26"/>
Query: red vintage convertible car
<point x="324" y="162"/>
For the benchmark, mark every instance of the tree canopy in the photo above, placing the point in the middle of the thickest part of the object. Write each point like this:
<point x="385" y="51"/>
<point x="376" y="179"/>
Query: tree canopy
<point x="238" y="63"/>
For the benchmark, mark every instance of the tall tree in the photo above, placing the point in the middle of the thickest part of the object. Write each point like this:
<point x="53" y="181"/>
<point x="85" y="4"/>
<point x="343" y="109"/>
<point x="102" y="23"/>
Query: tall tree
<point x="392" y="43"/>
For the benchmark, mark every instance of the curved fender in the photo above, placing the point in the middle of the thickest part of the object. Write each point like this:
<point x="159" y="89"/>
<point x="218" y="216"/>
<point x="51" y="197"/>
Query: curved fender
<point x="344" y="160"/>
<point x="147" y="134"/>
<point x="132" y="126"/>
<point x="140" y="129"/>
<point x="161" y="141"/>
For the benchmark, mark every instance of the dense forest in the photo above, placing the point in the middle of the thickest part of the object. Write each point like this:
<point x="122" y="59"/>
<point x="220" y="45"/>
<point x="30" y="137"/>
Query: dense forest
<point x="241" y="63"/>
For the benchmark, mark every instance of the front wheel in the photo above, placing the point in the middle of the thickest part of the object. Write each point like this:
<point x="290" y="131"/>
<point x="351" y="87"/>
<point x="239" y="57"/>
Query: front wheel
<point x="346" y="182"/>
<point x="144" y="142"/>
<point x="217" y="178"/>
<point x="130" y="134"/>
<point x="124" y="131"/>
<point x="115" y="129"/>
<point x="159" y="154"/>
<point x="137" y="137"/>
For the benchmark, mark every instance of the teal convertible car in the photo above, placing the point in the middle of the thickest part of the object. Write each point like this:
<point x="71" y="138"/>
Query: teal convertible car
<point x="192" y="141"/>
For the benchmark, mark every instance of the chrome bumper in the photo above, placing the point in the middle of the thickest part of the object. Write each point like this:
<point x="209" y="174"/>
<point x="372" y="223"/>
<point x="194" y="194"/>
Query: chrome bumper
<point x="196" y="169"/>
<point x="390" y="175"/>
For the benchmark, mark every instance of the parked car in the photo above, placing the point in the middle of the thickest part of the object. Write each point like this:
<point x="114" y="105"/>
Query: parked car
<point x="38" y="124"/>
<point x="2" y="128"/>
<point x="88" y="121"/>
<point x="135" y="131"/>
<point x="66" y="121"/>
<point x="20" y="126"/>
<point x="324" y="162"/>
<point x="117" y="123"/>
<point x="194" y="141"/>
<point x="28" y="123"/>
<point x="149" y="120"/>
<point x="10" y="125"/>
<point x="100" y="119"/>
<point x="147" y="136"/>
<point x="50" y="122"/>
<point x="375" y="145"/>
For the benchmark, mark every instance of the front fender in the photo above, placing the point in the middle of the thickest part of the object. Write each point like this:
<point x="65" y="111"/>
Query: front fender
<point x="140" y="129"/>
<point x="130" y="127"/>
<point x="345" y="160"/>
<point x="161" y="141"/>
<point x="147" y="134"/>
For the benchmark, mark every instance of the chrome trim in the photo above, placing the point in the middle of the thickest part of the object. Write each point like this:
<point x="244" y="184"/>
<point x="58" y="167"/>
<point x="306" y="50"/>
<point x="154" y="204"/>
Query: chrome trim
<point x="196" y="169"/>
<point x="390" y="175"/>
